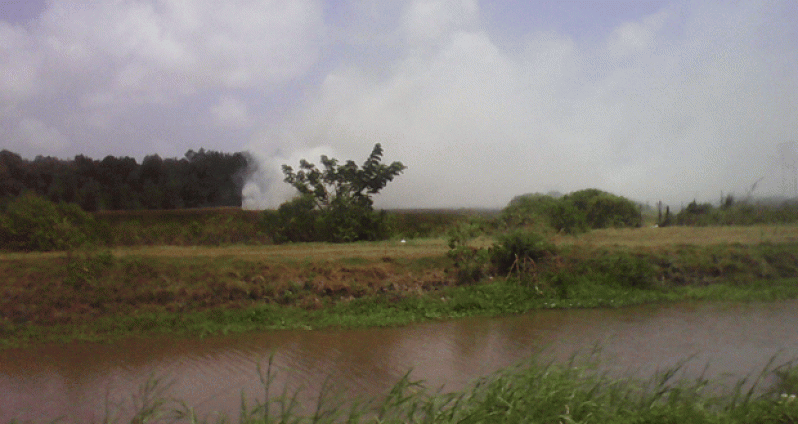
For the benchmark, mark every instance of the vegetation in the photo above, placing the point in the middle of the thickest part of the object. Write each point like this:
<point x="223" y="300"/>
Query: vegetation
<point x="731" y="212"/>
<point x="200" y="179"/>
<point x="531" y="391"/>
<point x="119" y="273"/>
<point x="101" y="294"/>
<point x="334" y="203"/>
<point x="573" y="213"/>
<point x="34" y="224"/>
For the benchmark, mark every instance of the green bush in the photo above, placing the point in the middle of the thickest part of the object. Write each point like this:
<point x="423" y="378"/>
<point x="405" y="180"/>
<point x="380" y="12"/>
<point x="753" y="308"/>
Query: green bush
<point x="530" y="210"/>
<point x="567" y="218"/>
<point x="470" y="264"/>
<point x="33" y="223"/>
<point x="605" y="210"/>
<point x="519" y="249"/>
<point x="294" y="220"/>
<point x="572" y="214"/>
<point x="298" y="220"/>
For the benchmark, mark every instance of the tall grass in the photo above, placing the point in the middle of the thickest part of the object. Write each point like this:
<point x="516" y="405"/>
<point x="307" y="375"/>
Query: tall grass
<point x="531" y="392"/>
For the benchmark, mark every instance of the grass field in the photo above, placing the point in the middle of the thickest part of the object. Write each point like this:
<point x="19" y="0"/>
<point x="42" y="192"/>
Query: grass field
<point x="696" y="236"/>
<point x="416" y="248"/>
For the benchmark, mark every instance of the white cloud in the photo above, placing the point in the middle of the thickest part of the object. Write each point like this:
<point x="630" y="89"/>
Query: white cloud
<point x="678" y="110"/>
<point x="634" y="37"/>
<point x="684" y="102"/>
<point x="426" y="20"/>
<point x="35" y="133"/>
<point x="154" y="51"/>
<point x="102" y="67"/>
<point x="19" y="62"/>
<point x="230" y="113"/>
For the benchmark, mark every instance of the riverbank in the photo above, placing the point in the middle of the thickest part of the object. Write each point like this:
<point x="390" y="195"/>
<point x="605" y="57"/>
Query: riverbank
<point x="189" y="292"/>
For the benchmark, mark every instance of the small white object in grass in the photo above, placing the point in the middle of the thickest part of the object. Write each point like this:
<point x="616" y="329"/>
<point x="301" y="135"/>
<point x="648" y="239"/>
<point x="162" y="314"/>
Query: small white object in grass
<point x="403" y="241"/>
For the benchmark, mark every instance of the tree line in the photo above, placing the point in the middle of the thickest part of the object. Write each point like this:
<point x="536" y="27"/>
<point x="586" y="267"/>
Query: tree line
<point x="199" y="179"/>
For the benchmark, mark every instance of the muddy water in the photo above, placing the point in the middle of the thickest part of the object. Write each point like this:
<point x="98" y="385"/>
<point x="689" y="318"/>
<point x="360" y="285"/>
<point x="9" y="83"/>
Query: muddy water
<point x="78" y="381"/>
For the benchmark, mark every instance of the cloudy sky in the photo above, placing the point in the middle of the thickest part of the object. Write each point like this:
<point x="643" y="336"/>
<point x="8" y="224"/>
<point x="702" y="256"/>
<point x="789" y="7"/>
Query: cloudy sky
<point x="482" y="100"/>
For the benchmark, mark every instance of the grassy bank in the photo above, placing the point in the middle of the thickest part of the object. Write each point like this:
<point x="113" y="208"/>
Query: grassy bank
<point x="190" y="291"/>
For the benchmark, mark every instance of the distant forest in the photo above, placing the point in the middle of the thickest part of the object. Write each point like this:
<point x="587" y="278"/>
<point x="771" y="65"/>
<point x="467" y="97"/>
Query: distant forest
<point x="200" y="179"/>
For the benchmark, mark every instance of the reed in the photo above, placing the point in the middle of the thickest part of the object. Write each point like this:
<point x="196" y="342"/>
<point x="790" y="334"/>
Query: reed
<point x="576" y="391"/>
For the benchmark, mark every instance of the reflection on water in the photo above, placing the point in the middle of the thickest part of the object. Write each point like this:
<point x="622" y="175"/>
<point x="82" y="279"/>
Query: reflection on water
<point x="77" y="380"/>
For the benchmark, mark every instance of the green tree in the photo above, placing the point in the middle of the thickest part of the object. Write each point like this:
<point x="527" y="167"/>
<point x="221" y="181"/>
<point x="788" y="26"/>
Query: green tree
<point x="342" y="195"/>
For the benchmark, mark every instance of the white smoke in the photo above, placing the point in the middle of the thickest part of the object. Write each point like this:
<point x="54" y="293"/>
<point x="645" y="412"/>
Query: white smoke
<point x="265" y="188"/>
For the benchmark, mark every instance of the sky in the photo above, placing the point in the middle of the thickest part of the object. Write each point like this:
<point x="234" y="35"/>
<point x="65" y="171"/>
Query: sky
<point x="481" y="100"/>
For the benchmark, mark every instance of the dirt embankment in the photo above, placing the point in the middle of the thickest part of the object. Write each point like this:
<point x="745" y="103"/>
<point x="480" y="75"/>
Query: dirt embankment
<point x="61" y="290"/>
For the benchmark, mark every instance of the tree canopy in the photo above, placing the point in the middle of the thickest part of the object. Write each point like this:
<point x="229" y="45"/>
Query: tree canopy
<point x="200" y="179"/>
<point x="347" y="181"/>
<point x="334" y="202"/>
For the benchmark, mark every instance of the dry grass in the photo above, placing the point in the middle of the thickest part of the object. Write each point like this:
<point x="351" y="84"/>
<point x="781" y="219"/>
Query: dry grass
<point x="671" y="236"/>
<point x="413" y="249"/>
<point x="317" y="251"/>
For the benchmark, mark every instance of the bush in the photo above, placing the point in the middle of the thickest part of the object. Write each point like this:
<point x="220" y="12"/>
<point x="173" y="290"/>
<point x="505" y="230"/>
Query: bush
<point x="604" y="210"/>
<point x="519" y="249"/>
<point x="470" y="263"/>
<point x="697" y="214"/>
<point x="294" y="220"/>
<point x="299" y="220"/>
<point x="33" y="223"/>
<point x="567" y="218"/>
<point x="574" y="213"/>
<point x="737" y="213"/>
<point x="530" y="210"/>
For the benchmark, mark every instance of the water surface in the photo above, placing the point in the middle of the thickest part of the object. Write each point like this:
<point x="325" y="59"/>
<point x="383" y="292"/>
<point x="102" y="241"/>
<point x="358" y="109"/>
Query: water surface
<point x="78" y="380"/>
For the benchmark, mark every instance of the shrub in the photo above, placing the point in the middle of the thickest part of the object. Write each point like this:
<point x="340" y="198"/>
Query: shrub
<point x="530" y="210"/>
<point x="470" y="263"/>
<point x="518" y="248"/>
<point x="696" y="214"/>
<point x="33" y="223"/>
<point x="567" y="218"/>
<point x="299" y="220"/>
<point x="603" y="210"/>
<point x="574" y="213"/>
<point x="294" y="220"/>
